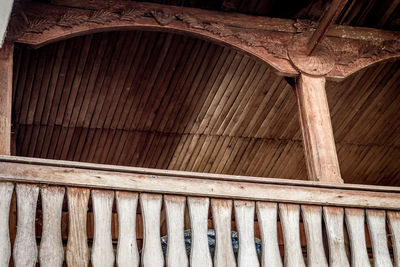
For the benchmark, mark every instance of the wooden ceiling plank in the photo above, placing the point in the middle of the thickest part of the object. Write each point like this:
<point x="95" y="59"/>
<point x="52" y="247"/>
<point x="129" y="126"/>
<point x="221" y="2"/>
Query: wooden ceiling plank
<point x="218" y="154"/>
<point x="228" y="97"/>
<point x="33" y="140"/>
<point x="204" y="155"/>
<point x="97" y="45"/>
<point x="119" y="77"/>
<point x="250" y="72"/>
<point x="84" y="63"/>
<point x="78" y="47"/>
<point x="233" y="99"/>
<point x="181" y="90"/>
<point x="105" y="90"/>
<point x="198" y="150"/>
<point x="164" y="86"/>
<point x="215" y="103"/>
<point x="168" y="48"/>
<point x="208" y="90"/>
<point x="67" y="143"/>
<point x="165" y="108"/>
<point x="195" y="89"/>
<point x="170" y="145"/>
<point x="270" y="94"/>
<point x="180" y="152"/>
<point x="251" y="107"/>
<point x="257" y="73"/>
<point x="126" y="68"/>
<point x="55" y="134"/>
<point x="215" y="81"/>
<point x="130" y="89"/>
<point x="228" y="154"/>
<point x="103" y="47"/>
<point x="28" y="87"/>
<point x="102" y="155"/>
<point x="139" y="85"/>
<point x="113" y="49"/>
<point x="188" y="152"/>
<point x="109" y="154"/>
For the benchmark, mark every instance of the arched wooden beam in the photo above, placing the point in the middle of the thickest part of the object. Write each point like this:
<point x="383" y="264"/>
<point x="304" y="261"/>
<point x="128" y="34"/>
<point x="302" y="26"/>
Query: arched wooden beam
<point x="349" y="48"/>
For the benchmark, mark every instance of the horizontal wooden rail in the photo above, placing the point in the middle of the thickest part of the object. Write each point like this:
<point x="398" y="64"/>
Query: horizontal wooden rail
<point x="39" y="171"/>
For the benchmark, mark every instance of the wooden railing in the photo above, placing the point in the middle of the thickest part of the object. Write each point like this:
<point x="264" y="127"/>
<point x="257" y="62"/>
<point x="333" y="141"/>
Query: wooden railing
<point x="299" y="222"/>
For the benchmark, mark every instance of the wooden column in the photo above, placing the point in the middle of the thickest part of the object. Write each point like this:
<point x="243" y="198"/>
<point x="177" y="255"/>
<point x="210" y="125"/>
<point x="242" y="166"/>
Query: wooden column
<point x="319" y="145"/>
<point x="6" y="60"/>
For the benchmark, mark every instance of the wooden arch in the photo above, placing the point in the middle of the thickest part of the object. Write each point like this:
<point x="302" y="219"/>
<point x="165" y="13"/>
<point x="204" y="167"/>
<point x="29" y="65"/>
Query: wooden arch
<point x="273" y="41"/>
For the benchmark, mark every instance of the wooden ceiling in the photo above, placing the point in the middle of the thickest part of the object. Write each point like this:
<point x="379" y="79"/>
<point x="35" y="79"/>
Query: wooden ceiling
<point x="168" y="101"/>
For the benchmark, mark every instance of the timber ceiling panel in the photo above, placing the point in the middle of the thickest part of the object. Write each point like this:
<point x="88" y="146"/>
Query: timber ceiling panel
<point x="168" y="101"/>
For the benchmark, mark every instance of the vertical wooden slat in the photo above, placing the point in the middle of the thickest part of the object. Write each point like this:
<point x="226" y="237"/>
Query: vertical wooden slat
<point x="355" y="221"/>
<point x="312" y="218"/>
<point x="376" y="220"/>
<point x="290" y="216"/>
<point x="127" y="251"/>
<point x="244" y="217"/>
<point x="6" y="190"/>
<point x="175" y="211"/>
<point x="334" y="227"/>
<point x="77" y="247"/>
<point x="102" y="250"/>
<point x="25" y="249"/>
<point x="394" y="226"/>
<point x="152" y="255"/>
<point x="316" y="128"/>
<point x="221" y="212"/>
<point x="267" y="219"/>
<point x="198" y="212"/>
<point x="51" y="247"/>
<point x="6" y="68"/>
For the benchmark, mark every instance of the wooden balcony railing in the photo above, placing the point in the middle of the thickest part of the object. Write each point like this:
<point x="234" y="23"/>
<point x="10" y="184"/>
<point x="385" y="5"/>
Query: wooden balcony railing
<point x="298" y="222"/>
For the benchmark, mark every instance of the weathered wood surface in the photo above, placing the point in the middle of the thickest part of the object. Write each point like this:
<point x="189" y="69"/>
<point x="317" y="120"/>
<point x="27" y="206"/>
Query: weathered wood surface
<point x="169" y="182"/>
<point x="51" y="247"/>
<point x="198" y="211"/>
<point x="221" y="212"/>
<point x="289" y="215"/>
<point x="376" y="220"/>
<point x="175" y="212"/>
<point x="102" y="249"/>
<point x="152" y="254"/>
<point x="316" y="127"/>
<point x="127" y="251"/>
<point x="261" y="37"/>
<point x="6" y="68"/>
<point x="244" y="217"/>
<point x="394" y="226"/>
<point x="312" y="218"/>
<point x="77" y="253"/>
<point x="355" y="222"/>
<point x="334" y="221"/>
<point x="6" y="190"/>
<point x="25" y="249"/>
<point x="267" y="219"/>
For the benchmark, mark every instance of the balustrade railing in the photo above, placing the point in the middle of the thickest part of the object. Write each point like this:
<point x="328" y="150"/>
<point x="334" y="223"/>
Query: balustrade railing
<point x="299" y="223"/>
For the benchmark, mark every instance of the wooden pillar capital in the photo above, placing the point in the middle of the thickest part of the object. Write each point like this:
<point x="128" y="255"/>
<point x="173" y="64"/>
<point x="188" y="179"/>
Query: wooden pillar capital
<point x="6" y="60"/>
<point x="319" y="145"/>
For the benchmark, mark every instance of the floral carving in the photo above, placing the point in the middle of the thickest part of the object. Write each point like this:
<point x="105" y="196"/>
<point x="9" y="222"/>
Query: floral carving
<point x="131" y="14"/>
<point x="162" y="17"/>
<point x="70" y="19"/>
<point x="190" y="20"/>
<point x="39" y="25"/>
<point x="102" y="16"/>
<point x="304" y="25"/>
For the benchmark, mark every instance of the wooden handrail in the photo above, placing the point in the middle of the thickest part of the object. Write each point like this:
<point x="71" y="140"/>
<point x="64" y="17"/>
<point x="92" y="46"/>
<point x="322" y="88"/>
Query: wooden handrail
<point x="39" y="171"/>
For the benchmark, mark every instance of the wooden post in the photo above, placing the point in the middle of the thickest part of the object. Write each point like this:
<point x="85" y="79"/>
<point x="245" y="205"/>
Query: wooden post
<point x="319" y="145"/>
<point x="6" y="61"/>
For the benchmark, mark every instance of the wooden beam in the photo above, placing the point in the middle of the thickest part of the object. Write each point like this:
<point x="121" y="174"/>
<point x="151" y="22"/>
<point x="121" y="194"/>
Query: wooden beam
<point x="319" y="146"/>
<point x="267" y="39"/>
<point x="42" y="172"/>
<point x="327" y="20"/>
<point x="6" y="62"/>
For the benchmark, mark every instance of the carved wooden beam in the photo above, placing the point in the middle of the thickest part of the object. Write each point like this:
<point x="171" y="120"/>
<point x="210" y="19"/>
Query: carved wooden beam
<point x="270" y="40"/>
